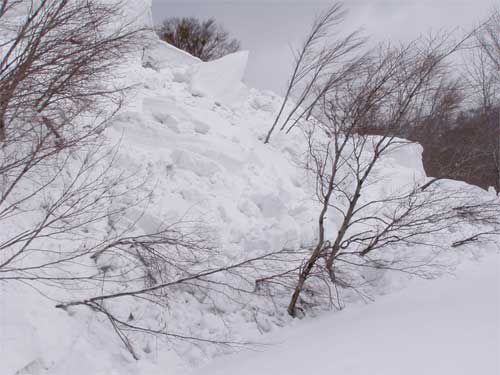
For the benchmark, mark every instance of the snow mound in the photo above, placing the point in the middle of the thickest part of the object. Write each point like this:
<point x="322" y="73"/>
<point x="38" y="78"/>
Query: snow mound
<point x="194" y="132"/>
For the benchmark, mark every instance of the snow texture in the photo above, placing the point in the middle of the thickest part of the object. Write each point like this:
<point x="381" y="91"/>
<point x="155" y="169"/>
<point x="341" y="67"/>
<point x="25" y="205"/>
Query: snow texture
<point x="195" y="131"/>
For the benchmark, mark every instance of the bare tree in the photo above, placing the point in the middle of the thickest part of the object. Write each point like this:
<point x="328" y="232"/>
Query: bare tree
<point x="56" y="98"/>
<point x="203" y="39"/>
<point x="56" y="60"/>
<point x="321" y="62"/>
<point x="461" y="139"/>
<point x="464" y="144"/>
<point x="394" y="88"/>
<point x="484" y="71"/>
<point x="489" y="39"/>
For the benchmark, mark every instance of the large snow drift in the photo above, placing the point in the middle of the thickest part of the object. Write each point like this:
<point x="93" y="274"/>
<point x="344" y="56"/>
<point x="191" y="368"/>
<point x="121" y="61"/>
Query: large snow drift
<point x="194" y="131"/>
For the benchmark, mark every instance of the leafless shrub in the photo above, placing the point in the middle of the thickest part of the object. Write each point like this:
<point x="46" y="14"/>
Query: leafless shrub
<point x="164" y="265"/>
<point x="462" y="141"/>
<point x="484" y="71"/>
<point x="56" y="63"/>
<point x="354" y="128"/>
<point x="56" y="97"/>
<point x="203" y="39"/>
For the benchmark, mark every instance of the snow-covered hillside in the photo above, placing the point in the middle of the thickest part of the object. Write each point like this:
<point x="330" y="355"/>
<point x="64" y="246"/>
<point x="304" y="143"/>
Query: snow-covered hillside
<point x="193" y="133"/>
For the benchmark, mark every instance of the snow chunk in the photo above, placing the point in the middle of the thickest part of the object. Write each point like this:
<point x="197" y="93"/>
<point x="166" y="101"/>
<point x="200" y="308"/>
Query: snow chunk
<point x="194" y="163"/>
<point x="220" y="79"/>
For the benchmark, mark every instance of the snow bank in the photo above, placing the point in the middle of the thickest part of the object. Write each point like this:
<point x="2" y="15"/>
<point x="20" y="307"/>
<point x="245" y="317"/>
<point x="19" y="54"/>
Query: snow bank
<point x="194" y="131"/>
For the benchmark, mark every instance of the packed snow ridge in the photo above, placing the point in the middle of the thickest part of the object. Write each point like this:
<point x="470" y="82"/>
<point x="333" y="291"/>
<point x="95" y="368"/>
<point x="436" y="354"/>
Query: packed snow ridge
<point x="194" y="131"/>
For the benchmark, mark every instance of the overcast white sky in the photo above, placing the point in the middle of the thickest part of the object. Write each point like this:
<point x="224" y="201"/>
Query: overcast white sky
<point x="267" y="27"/>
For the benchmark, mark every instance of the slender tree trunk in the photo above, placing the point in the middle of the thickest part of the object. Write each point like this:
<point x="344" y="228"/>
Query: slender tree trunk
<point x="270" y="132"/>
<point x="2" y="129"/>
<point x="304" y="274"/>
<point x="318" y="250"/>
<point x="306" y="271"/>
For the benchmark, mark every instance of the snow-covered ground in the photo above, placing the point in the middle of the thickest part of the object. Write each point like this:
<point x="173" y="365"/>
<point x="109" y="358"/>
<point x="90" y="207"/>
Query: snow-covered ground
<point x="449" y="326"/>
<point x="193" y="131"/>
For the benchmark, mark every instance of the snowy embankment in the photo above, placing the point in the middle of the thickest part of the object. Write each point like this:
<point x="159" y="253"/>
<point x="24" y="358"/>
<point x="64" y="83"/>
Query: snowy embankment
<point x="193" y="132"/>
<point x="449" y="326"/>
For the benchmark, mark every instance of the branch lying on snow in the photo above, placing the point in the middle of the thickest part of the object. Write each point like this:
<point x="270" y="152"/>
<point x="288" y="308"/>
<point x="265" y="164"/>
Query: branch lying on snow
<point x="474" y="238"/>
<point x="97" y="303"/>
<point x="120" y="327"/>
<point x="198" y="276"/>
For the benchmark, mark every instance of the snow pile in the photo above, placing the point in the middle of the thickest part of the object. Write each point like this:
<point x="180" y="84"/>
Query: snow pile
<point x="194" y="132"/>
<point x="206" y="157"/>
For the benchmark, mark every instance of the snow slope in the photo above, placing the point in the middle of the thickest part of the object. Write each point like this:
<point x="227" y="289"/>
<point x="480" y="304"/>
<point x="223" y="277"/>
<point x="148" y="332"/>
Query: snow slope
<point x="193" y="131"/>
<point x="449" y="326"/>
